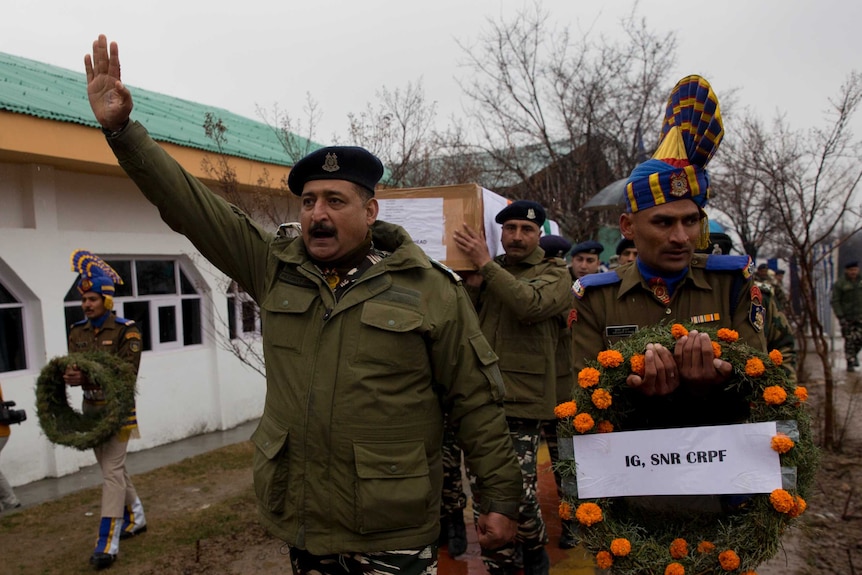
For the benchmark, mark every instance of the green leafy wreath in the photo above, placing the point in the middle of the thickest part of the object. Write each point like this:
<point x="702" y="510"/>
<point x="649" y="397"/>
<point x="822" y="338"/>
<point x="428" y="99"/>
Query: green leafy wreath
<point x="630" y="540"/>
<point x="63" y="424"/>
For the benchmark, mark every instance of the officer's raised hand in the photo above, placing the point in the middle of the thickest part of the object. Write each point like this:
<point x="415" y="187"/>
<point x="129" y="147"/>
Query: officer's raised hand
<point x="110" y="100"/>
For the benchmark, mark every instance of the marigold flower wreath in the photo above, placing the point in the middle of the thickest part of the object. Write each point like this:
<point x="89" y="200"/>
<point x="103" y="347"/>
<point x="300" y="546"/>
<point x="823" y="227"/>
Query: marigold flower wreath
<point x="63" y="424"/>
<point x="633" y="541"/>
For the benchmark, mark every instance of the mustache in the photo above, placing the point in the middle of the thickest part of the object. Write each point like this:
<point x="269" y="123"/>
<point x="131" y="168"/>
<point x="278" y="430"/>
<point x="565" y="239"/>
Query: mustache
<point x="321" y="227"/>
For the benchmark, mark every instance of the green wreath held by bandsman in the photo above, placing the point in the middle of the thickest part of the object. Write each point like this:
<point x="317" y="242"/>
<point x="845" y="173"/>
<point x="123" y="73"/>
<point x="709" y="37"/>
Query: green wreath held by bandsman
<point x="64" y="425"/>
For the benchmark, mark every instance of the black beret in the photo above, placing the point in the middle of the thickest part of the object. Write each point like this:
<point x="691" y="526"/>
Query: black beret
<point x="588" y="247"/>
<point x="853" y="264"/>
<point x="555" y="246"/>
<point x="623" y="245"/>
<point x="522" y="210"/>
<point x="779" y="271"/>
<point x="350" y="163"/>
<point x="763" y="267"/>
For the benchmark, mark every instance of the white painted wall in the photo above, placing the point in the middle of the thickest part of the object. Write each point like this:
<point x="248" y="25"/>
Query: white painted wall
<point x="45" y="214"/>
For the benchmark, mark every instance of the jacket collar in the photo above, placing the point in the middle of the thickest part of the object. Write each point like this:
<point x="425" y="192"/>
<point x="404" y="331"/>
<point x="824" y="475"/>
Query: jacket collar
<point x="631" y="278"/>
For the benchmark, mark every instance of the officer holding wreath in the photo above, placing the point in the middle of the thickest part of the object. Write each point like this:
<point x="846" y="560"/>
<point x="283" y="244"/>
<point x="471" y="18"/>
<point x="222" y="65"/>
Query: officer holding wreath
<point x="668" y="282"/>
<point x="101" y="330"/>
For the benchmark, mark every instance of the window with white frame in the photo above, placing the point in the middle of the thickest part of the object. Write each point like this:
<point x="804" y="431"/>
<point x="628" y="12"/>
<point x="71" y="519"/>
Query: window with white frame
<point x="13" y="356"/>
<point x="243" y="315"/>
<point x="159" y="296"/>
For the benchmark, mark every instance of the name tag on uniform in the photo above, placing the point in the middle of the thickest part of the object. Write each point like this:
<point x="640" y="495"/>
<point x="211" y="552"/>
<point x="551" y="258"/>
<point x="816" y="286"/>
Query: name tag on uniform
<point x="107" y="342"/>
<point x="620" y="330"/>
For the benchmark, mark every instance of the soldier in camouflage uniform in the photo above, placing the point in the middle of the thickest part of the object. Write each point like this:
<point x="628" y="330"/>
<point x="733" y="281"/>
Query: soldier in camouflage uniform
<point x="453" y="532"/>
<point x="847" y="305"/>
<point x="520" y="297"/>
<point x="776" y="328"/>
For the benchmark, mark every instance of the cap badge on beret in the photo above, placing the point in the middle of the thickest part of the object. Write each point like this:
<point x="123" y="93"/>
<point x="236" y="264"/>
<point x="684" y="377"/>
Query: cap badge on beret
<point x="331" y="163"/>
<point x="531" y="214"/>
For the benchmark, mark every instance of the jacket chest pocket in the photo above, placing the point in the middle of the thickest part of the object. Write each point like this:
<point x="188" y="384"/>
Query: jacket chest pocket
<point x="393" y="487"/>
<point x="286" y="316"/>
<point x="389" y="336"/>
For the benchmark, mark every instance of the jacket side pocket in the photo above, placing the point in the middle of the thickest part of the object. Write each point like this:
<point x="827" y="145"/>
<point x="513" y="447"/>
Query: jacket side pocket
<point x="270" y="464"/>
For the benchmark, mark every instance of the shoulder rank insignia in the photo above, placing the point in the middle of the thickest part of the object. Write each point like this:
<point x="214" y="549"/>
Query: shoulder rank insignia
<point x="124" y="321"/>
<point x="453" y="275"/>
<point x="717" y="262"/>
<point x="594" y="280"/>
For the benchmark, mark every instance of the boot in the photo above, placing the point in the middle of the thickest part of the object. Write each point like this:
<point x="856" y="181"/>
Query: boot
<point x="537" y="562"/>
<point x="134" y="521"/>
<point x="108" y="544"/>
<point x="456" y="534"/>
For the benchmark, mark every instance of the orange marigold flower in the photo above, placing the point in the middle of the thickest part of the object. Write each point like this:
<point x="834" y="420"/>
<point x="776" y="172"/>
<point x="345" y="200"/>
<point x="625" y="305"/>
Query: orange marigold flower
<point x="678" y="548"/>
<point x="583" y="422"/>
<point x="774" y="395"/>
<point x="566" y="409"/>
<point x="565" y="511"/>
<point x="727" y="335"/>
<point x="754" y="367"/>
<point x="801" y="393"/>
<point x="604" y="426"/>
<point x="705" y="547"/>
<point x="729" y="560"/>
<point x="610" y="358"/>
<point x="782" y="501"/>
<point x="748" y="573"/>
<point x="716" y="349"/>
<point x="604" y="560"/>
<point x="601" y="399"/>
<point x="621" y="547"/>
<point x="638" y="363"/>
<point x="776" y="357"/>
<point x="781" y="443"/>
<point x="588" y="514"/>
<point x="678" y="330"/>
<point x="799" y="507"/>
<point x="674" y="569"/>
<point x="588" y="377"/>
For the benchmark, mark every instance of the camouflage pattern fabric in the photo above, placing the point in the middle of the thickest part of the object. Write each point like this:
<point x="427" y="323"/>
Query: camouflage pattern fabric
<point x="422" y="561"/>
<point x="453" y="500"/>
<point x="777" y="329"/>
<point x="532" y="534"/>
<point x="851" y="331"/>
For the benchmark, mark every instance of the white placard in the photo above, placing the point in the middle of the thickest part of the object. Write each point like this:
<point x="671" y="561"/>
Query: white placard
<point x="721" y="459"/>
<point x="422" y="218"/>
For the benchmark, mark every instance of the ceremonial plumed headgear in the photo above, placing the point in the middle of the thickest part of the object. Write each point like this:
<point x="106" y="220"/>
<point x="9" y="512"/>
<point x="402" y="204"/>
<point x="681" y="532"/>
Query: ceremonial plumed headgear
<point x="690" y="135"/>
<point x="555" y="246"/>
<point x="588" y="247"/>
<point x="522" y="210"/>
<point x="350" y="163"/>
<point x="96" y="275"/>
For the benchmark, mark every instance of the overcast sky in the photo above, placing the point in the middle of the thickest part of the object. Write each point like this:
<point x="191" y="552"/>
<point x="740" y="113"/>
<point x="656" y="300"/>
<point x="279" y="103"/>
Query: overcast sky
<point x="782" y="55"/>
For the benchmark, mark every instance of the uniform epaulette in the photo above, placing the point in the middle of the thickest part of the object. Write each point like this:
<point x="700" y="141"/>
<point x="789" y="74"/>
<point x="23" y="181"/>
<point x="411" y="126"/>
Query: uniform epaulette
<point x="80" y="322"/>
<point x="124" y="321"/>
<point x="453" y="275"/>
<point x="594" y="280"/>
<point x="719" y="262"/>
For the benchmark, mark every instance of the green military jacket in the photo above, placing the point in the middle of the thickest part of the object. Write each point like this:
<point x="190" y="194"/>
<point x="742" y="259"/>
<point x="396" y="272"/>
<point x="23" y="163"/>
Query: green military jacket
<point x="847" y="299"/>
<point x="613" y="305"/>
<point x="348" y="454"/>
<point x="117" y="335"/>
<point x="521" y="308"/>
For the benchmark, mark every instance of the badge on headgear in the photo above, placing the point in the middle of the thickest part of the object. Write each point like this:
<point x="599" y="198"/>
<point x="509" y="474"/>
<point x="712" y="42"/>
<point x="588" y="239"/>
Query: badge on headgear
<point x="691" y="132"/>
<point x="95" y="275"/>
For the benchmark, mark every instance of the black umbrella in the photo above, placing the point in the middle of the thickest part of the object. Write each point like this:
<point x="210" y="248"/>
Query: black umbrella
<point x="611" y="196"/>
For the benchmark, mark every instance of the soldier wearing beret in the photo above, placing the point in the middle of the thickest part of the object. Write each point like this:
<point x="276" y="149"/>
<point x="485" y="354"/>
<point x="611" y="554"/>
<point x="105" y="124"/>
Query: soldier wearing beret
<point x="555" y="246"/>
<point x="367" y="343"/>
<point x="847" y="305"/>
<point x="626" y="251"/>
<point x="669" y="281"/>
<point x="522" y="298"/>
<point x="101" y="330"/>
<point x="585" y="258"/>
